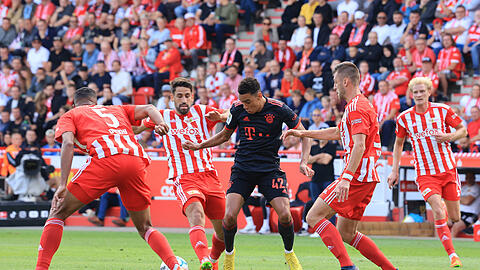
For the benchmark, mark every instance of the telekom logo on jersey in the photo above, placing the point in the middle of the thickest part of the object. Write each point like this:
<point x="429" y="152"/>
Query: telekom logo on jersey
<point x="426" y="133"/>
<point x="185" y="131"/>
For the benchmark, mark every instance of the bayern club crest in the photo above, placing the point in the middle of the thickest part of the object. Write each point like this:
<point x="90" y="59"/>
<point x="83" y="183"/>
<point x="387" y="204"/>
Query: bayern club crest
<point x="269" y="118"/>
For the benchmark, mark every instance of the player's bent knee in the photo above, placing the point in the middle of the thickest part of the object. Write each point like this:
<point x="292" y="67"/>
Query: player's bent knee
<point x="197" y="216"/>
<point x="347" y="236"/>
<point x="284" y="217"/>
<point x="230" y="219"/>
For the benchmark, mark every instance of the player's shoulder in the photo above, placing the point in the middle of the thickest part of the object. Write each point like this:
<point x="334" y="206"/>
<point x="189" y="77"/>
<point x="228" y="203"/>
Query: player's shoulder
<point x="440" y="105"/>
<point x="275" y="102"/>
<point x="360" y="103"/>
<point x="237" y="107"/>
<point x="404" y="113"/>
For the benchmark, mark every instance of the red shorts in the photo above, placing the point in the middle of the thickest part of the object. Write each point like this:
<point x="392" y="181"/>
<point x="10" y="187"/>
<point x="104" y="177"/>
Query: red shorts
<point x="203" y="187"/>
<point x="126" y="172"/>
<point x="359" y="196"/>
<point x="444" y="184"/>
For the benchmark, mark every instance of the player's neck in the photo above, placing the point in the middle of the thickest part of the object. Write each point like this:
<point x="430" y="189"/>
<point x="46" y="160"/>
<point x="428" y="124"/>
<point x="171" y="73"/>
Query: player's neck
<point x="264" y="100"/>
<point x="349" y="95"/>
<point x="421" y="108"/>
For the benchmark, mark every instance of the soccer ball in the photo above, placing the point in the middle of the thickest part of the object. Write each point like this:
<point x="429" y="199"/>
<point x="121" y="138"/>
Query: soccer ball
<point x="180" y="260"/>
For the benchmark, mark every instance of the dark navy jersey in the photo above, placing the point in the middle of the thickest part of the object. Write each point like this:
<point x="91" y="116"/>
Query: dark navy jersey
<point x="259" y="134"/>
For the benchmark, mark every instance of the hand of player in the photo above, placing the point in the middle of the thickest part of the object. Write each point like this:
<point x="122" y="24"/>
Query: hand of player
<point x="304" y="169"/>
<point x="392" y="179"/>
<point x="189" y="145"/>
<point x="58" y="197"/>
<point x="213" y="116"/>
<point x="442" y="137"/>
<point x="342" y="190"/>
<point x="290" y="132"/>
<point x="161" y="129"/>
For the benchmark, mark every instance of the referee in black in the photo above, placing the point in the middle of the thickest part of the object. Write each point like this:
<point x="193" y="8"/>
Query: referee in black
<point x="259" y="121"/>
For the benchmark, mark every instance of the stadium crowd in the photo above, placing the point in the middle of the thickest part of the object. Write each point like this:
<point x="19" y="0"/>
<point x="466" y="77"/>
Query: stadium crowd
<point x="49" y="48"/>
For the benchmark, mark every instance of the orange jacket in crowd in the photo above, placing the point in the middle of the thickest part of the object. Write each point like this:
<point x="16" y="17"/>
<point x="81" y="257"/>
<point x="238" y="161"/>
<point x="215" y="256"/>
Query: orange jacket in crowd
<point x="8" y="158"/>
<point x="194" y="38"/>
<point x="169" y="60"/>
<point x="288" y="88"/>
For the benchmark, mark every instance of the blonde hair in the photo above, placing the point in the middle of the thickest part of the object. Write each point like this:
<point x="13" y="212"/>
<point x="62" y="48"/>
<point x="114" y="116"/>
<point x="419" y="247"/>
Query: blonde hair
<point x="420" y="80"/>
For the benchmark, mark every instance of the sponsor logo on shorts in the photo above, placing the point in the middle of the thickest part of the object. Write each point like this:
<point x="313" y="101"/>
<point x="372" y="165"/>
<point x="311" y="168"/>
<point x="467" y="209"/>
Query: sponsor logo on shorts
<point x="192" y="192"/>
<point x="426" y="191"/>
<point x="356" y="121"/>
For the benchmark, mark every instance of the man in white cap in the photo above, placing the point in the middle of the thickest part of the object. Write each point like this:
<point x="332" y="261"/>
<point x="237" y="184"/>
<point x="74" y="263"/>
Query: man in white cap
<point x="359" y="33"/>
<point x="194" y="43"/>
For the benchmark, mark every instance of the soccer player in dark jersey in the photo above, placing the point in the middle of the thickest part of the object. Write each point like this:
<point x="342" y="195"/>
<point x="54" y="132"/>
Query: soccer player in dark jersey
<point x="259" y="121"/>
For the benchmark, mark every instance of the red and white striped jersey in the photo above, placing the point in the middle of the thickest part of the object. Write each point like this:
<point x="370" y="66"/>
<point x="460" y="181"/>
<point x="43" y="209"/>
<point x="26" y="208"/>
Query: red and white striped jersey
<point x="192" y="127"/>
<point x="384" y="104"/>
<point x="431" y="157"/>
<point x="102" y="131"/>
<point x="225" y="103"/>
<point x="360" y="118"/>
<point x="367" y="83"/>
<point x="474" y="32"/>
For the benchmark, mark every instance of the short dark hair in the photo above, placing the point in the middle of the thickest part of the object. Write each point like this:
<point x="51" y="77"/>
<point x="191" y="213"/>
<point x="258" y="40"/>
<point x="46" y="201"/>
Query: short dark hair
<point x="416" y="11"/>
<point x="396" y="12"/>
<point x="83" y="94"/>
<point x="181" y="82"/>
<point x="349" y="70"/>
<point x="248" y="86"/>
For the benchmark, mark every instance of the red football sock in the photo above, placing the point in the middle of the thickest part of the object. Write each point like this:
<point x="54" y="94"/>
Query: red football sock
<point x="199" y="241"/>
<point x="368" y="249"/>
<point x="332" y="239"/>
<point x="218" y="246"/>
<point x="159" y="243"/>
<point x="445" y="236"/>
<point x="49" y="242"/>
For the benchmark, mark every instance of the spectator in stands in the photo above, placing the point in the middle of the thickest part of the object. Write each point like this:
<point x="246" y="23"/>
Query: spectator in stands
<point x="166" y="100"/>
<point x="408" y="46"/>
<point x="146" y="69"/>
<point x="204" y="99"/>
<point x="82" y="78"/>
<point x="30" y="140"/>
<point x="37" y="55"/>
<point x="307" y="10"/>
<point x="317" y="121"/>
<point x="67" y="73"/>
<point x="77" y="53"/>
<point x="302" y="66"/>
<point x="28" y="10"/>
<point x="319" y="79"/>
<point x="168" y="63"/>
<point x="127" y="57"/>
<point x="470" y="101"/>
<point x="462" y="145"/>
<point x="474" y="127"/>
<point x="333" y="50"/>
<point x="348" y="6"/>
<point x="15" y="11"/>
<point x="284" y="55"/>
<point x="421" y="51"/>
<point x="90" y="55"/>
<point x="290" y="18"/>
<point x="267" y="33"/>
<point x="273" y="79"/>
<point x="472" y="43"/>
<point x="358" y="35"/>
<point x="231" y="56"/>
<point x="159" y="36"/>
<point x="397" y="29"/>
<point x="121" y="82"/>
<point x="458" y="27"/>
<point x="227" y="97"/>
<point x="298" y="37"/>
<point x="319" y="30"/>
<point x="367" y="81"/>
<point x="73" y="33"/>
<point x="341" y="26"/>
<point x="18" y="124"/>
<point x="322" y="155"/>
<point x="399" y="78"/>
<point x="7" y="32"/>
<point x="194" y="43"/>
<point x="233" y="79"/>
<point x="415" y="27"/>
<point x="387" y="6"/>
<point x="382" y="28"/>
<point x="449" y="63"/>
<point x="325" y="9"/>
<point x="101" y="77"/>
<point x="107" y="200"/>
<point x="206" y="16"/>
<point x="435" y="36"/>
<point x="28" y="34"/>
<point x="45" y="33"/>
<point x="8" y="78"/>
<point x="371" y="52"/>
<point x="4" y="121"/>
<point x="387" y="106"/>
<point x="260" y="56"/>
<point x="108" y="98"/>
<point x="107" y="55"/>
<point x="427" y="71"/>
<point x="8" y="166"/>
<point x="125" y="31"/>
<point x="226" y="16"/>
<point x="16" y="100"/>
<point x="469" y="205"/>
<point x="58" y="56"/>
<point x="187" y="6"/>
<point x="312" y="103"/>
<point x="386" y="62"/>
<point x="214" y="79"/>
<point x="290" y="83"/>
<point x="296" y="102"/>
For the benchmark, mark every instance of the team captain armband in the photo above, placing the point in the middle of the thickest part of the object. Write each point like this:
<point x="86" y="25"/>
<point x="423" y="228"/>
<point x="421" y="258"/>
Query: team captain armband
<point x="347" y="175"/>
<point x="148" y="123"/>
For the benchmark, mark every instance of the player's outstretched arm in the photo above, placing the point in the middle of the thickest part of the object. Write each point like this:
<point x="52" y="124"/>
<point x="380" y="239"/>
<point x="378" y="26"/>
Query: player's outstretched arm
<point x="144" y="111"/>
<point x="397" y="153"/>
<point x="218" y="139"/>
<point x="332" y="133"/>
<point x="306" y="146"/>
<point x="66" y="157"/>
<point x="216" y="116"/>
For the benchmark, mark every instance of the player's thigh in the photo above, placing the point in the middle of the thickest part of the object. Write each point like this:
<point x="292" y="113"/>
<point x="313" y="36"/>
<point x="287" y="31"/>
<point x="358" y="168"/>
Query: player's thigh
<point x="347" y="228"/>
<point x="273" y="185"/>
<point x="453" y="210"/>
<point x="282" y="207"/>
<point x="195" y="212"/>
<point x="66" y="207"/>
<point x="319" y="211"/>
<point x="435" y="201"/>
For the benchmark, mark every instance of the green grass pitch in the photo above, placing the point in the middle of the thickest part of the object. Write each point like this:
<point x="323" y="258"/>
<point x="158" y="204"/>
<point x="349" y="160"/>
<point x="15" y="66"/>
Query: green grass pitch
<point x="111" y="250"/>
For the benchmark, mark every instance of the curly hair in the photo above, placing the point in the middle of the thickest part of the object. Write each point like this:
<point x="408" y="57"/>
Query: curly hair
<point x="248" y="86"/>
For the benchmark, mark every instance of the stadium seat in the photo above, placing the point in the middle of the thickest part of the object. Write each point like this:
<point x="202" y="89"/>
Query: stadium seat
<point x="143" y="95"/>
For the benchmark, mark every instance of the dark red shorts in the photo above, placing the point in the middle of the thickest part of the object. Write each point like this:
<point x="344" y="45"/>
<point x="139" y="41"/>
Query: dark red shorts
<point x="359" y="196"/>
<point x="444" y="184"/>
<point x="203" y="187"/>
<point x="126" y="172"/>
